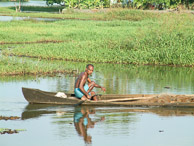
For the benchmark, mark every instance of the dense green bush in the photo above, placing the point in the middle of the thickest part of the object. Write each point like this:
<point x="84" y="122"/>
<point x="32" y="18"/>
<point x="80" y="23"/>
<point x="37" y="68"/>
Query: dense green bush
<point x="81" y="4"/>
<point x="161" y="4"/>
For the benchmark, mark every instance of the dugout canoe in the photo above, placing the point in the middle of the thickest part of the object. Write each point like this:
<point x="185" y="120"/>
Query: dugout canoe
<point x="163" y="100"/>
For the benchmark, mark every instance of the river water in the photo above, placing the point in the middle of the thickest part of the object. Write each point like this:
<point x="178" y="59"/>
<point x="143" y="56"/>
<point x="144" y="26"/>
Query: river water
<point x="29" y="3"/>
<point x="67" y="125"/>
<point x="12" y="18"/>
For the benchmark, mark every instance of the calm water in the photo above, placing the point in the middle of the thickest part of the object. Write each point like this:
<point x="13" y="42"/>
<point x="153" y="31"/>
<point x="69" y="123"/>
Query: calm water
<point x="66" y="125"/>
<point x="29" y="3"/>
<point x="11" y="18"/>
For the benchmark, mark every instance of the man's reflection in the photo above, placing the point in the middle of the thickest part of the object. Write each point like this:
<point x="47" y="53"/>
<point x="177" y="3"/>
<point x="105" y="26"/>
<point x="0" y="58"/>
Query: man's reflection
<point x="82" y="122"/>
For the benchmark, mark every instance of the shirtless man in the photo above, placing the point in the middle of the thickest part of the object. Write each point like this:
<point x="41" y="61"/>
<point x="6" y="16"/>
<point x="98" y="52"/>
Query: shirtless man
<point x="83" y="90"/>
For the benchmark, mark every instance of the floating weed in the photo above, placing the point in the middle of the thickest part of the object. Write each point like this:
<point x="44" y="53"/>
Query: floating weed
<point x="10" y="131"/>
<point x="9" y="118"/>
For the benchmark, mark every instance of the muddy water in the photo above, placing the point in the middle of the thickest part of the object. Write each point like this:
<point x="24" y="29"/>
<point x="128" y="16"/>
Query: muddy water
<point x="66" y="125"/>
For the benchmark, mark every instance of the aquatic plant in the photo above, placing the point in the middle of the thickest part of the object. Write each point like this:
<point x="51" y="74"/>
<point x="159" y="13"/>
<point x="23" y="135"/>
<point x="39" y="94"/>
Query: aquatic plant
<point x="10" y="131"/>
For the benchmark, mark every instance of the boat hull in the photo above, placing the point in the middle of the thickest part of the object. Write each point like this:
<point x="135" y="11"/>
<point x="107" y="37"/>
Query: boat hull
<point x="140" y="100"/>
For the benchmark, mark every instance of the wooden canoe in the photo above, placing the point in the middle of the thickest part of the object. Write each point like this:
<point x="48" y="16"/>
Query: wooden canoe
<point x="44" y="97"/>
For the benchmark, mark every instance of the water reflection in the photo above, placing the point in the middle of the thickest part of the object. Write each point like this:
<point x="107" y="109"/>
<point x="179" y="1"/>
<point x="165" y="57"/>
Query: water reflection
<point x="82" y="122"/>
<point x="37" y="110"/>
<point x="12" y="18"/>
<point x="130" y="79"/>
<point x="82" y="113"/>
<point x="117" y="79"/>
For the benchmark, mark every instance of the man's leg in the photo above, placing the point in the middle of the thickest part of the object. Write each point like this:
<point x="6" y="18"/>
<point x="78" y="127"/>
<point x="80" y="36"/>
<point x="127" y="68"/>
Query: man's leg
<point x="79" y="94"/>
<point x="83" y="98"/>
<point x="88" y="88"/>
<point x="93" y="95"/>
<point x="91" y="86"/>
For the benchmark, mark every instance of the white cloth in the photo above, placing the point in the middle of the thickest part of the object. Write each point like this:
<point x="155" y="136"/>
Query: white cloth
<point x="61" y="94"/>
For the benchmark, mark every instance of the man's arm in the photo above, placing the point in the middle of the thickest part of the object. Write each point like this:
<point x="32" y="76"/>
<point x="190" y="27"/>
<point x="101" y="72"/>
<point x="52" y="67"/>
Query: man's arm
<point x="98" y="86"/>
<point x="89" y="81"/>
<point x="102" y="88"/>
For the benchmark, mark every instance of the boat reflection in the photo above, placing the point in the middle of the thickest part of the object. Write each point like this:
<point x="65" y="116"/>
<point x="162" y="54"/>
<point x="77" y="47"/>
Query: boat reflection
<point x="82" y="121"/>
<point x="83" y="118"/>
<point x="37" y="110"/>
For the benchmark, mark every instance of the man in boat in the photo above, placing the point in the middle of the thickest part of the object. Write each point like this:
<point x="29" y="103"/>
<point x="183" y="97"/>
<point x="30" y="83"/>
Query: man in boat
<point x="84" y="90"/>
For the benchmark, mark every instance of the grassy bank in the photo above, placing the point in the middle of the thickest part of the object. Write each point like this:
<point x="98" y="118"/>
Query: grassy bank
<point x="129" y="37"/>
<point x="15" y="66"/>
<point x="105" y="15"/>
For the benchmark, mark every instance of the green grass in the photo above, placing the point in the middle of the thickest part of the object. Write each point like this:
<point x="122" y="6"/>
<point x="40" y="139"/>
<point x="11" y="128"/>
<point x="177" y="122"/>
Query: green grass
<point x="16" y="66"/>
<point x="129" y="37"/>
<point x="108" y="14"/>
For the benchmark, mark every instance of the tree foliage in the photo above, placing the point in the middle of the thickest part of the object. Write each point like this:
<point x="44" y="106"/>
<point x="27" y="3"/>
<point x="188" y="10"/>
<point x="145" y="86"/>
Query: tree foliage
<point x="161" y="4"/>
<point x="85" y="4"/>
<point x="139" y="4"/>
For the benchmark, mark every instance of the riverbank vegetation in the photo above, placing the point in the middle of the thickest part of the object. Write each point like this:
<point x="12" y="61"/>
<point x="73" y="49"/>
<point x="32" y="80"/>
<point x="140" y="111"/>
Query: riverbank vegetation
<point x="114" y="36"/>
<point x="16" y="66"/>
<point x="137" y="4"/>
<point x="105" y="15"/>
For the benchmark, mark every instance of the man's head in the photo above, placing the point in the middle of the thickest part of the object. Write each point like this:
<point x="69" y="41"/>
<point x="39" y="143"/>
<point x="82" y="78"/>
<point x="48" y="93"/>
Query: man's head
<point x="89" y="69"/>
